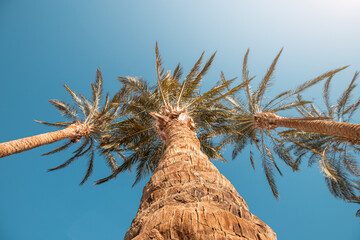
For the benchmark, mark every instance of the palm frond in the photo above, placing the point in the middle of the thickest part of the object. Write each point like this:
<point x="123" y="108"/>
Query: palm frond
<point x="327" y="168"/>
<point x="66" y="110"/>
<point x="160" y="72"/>
<point x="282" y="101"/>
<point x="351" y="165"/>
<point x="56" y="124"/>
<point x="90" y="168"/>
<point x="77" y="153"/>
<point x="252" y="160"/>
<point x="190" y="85"/>
<point x="346" y="95"/>
<point x="270" y="177"/>
<point x="312" y="82"/>
<point x="326" y="92"/>
<point x="61" y="148"/>
<point x="96" y="93"/>
<point x="101" y="121"/>
<point x="214" y="94"/>
<point x="279" y="149"/>
<point x="245" y="73"/>
<point x="264" y="84"/>
<point x="288" y="106"/>
<point x="352" y="110"/>
<point x="76" y="99"/>
<point x="279" y="96"/>
<point x="177" y="73"/>
<point x="111" y="161"/>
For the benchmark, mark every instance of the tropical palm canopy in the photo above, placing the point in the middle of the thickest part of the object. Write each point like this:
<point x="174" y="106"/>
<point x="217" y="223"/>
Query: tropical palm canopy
<point x="99" y="119"/>
<point x="91" y="124"/>
<point x="131" y="124"/>
<point x="142" y="141"/>
<point x="336" y="156"/>
<point x="249" y="120"/>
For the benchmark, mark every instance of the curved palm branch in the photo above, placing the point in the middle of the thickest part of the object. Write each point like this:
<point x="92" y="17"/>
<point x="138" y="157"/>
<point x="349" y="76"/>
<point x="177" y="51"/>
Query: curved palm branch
<point x="138" y="135"/>
<point x="246" y="128"/>
<point x="98" y="119"/>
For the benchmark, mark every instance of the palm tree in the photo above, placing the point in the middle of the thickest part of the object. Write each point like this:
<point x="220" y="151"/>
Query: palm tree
<point x="92" y="127"/>
<point x="166" y="131"/>
<point x="335" y="154"/>
<point x="254" y="120"/>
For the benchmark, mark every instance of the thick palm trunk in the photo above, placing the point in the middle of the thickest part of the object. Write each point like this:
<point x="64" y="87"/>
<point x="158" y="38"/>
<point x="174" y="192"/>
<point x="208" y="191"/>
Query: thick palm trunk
<point x="187" y="197"/>
<point x="346" y="130"/>
<point x="73" y="132"/>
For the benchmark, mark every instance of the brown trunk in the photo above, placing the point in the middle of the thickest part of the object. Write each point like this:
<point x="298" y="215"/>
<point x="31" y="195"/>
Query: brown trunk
<point x="187" y="197"/>
<point x="73" y="132"/>
<point x="348" y="131"/>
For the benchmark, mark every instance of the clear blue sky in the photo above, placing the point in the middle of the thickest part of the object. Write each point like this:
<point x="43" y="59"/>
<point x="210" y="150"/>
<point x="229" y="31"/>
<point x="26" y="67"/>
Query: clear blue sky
<point x="44" y="44"/>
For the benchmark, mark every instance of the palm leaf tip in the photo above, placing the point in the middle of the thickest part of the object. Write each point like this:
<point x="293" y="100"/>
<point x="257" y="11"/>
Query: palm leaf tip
<point x="252" y="160"/>
<point x="61" y="148"/>
<point x="103" y="180"/>
<point x="65" y="109"/>
<point x="271" y="178"/>
<point x="264" y="85"/>
<point x="159" y="72"/>
<point x="192" y="80"/>
<point x="357" y="213"/>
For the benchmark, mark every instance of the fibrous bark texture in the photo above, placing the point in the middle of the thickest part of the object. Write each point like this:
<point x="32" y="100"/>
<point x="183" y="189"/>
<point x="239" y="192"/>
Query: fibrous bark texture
<point x="74" y="132"/>
<point x="348" y="131"/>
<point x="187" y="197"/>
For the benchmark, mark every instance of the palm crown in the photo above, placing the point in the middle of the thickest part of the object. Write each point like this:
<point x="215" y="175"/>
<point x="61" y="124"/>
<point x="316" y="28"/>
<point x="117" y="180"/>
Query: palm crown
<point x="248" y="127"/>
<point x="141" y="139"/>
<point x="99" y="121"/>
<point x="335" y="155"/>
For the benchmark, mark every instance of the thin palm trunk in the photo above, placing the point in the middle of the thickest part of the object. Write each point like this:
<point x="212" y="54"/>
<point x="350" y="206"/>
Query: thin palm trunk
<point x="73" y="132"/>
<point x="348" y="131"/>
<point x="341" y="129"/>
<point x="187" y="197"/>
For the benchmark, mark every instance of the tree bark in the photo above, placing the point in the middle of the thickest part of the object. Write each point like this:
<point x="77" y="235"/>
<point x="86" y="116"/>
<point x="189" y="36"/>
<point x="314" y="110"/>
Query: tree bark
<point x="340" y="129"/>
<point x="187" y="198"/>
<point x="348" y="131"/>
<point x="73" y="132"/>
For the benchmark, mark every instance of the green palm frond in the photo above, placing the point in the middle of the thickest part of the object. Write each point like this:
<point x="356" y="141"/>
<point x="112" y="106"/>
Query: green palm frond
<point x="264" y="84"/>
<point x="137" y="137"/>
<point x="190" y="83"/>
<point x="55" y="124"/>
<point x="90" y="167"/>
<point x="77" y="153"/>
<point x="326" y="94"/>
<point x="111" y="160"/>
<point x="280" y="151"/>
<point x="100" y="119"/>
<point x="244" y="129"/>
<point x="76" y="99"/>
<point x="334" y="155"/>
<point x="345" y="97"/>
<point x="66" y="110"/>
<point x="61" y="148"/>
<point x="160" y="73"/>
<point x="178" y="72"/>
